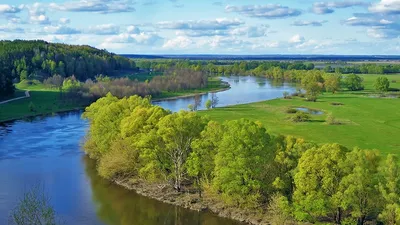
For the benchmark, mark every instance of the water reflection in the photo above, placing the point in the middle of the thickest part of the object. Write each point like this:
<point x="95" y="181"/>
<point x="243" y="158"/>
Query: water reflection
<point x="244" y="89"/>
<point x="118" y="206"/>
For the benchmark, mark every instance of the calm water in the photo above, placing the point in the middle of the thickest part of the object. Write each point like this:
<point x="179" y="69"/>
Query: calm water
<point x="46" y="150"/>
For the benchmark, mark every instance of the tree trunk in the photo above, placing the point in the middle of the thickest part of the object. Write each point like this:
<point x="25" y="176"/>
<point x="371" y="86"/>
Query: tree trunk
<point x="338" y="218"/>
<point x="361" y="220"/>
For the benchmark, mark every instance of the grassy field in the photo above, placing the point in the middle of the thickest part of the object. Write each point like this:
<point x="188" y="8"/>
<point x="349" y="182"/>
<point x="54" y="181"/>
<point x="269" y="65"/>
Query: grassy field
<point x="371" y="123"/>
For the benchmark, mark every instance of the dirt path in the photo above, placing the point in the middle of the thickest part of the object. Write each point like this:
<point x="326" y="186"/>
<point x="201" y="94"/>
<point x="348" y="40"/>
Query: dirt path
<point x="27" y="95"/>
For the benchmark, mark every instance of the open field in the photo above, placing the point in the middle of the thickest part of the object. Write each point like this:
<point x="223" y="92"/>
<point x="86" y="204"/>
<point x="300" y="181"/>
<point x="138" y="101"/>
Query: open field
<point x="372" y="123"/>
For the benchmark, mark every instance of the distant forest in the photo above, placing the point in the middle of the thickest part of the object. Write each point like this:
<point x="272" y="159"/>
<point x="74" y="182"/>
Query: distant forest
<point x="21" y="60"/>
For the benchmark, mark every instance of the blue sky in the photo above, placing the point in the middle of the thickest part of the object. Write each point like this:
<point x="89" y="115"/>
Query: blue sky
<point x="209" y="26"/>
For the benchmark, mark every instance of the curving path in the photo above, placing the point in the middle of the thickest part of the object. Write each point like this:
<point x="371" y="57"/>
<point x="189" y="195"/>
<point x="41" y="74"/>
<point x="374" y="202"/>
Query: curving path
<point x="27" y="95"/>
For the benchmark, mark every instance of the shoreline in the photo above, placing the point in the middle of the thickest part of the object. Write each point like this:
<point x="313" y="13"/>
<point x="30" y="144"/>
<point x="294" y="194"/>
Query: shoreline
<point x="166" y="194"/>
<point x="83" y="107"/>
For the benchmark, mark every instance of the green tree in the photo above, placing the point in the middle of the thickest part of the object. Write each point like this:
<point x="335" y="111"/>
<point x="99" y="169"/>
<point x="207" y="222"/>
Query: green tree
<point x="177" y="132"/>
<point x="23" y="75"/>
<point x="382" y="84"/>
<point x="332" y="83"/>
<point x="317" y="183"/>
<point x="353" y="82"/>
<point x="389" y="187"/>
<point x="243" y="153"/>
<point x="312" y="83"/>
<point x="360" y="195"/>
<point x="208" y="104"/>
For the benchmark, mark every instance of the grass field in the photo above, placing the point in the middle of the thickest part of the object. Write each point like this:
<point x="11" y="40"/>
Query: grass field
<point x="372" y="123"/>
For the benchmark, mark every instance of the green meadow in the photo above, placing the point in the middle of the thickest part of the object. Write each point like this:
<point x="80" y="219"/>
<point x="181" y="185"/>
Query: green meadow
<point x="366" y="121"/>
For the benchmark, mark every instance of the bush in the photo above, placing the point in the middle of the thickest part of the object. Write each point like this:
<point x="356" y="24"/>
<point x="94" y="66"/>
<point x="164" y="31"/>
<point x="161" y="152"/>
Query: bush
<point x="336" y="103"/>
<point x="300" y="117"/>
<point x="279" y="210"/>
<point x="31" y="107"/>
<point x="120" y="161"/>
<point x="311" y="98"/>
<point x="286" y="95"/>
<point x="331" y="120"/>
<point x="291" y="110"/>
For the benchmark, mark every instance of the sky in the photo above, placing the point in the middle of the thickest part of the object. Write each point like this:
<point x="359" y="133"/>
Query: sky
<point x="370" y="27"/>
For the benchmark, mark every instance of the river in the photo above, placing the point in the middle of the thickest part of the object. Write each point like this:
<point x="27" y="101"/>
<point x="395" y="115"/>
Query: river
<point x="45" y="150"/>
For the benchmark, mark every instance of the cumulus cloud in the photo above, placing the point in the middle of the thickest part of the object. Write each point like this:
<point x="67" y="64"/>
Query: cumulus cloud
<point x="64" y="20"/>
<point x="142" y="38"/>
<point x="300" y="23"/>
<point x="269" y="11"/>
<point x="98" y="6"/>
<point x="10" y="28"/>
<point x="250" y="31"/>
<point x="386" y="6"/>
<point x="217" y="24"/>
<point x="377" y="27"/>
<point x="178" y="42"/>
<point x="104" y="29"/>
<point x="133" y="30"/>
<point x="61" y="29"/>
<point x="10" y="9"/>
<point x="329" y="7"/>
<point x="297" y="39"/>
<point x="37" y="14"/>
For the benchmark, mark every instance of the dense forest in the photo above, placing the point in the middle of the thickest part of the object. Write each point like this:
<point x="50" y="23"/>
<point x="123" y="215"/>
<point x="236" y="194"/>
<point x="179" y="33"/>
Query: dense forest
<point x="280" y="179"/>
<point x="20" y="60"/>
<point x="259" y="68"/>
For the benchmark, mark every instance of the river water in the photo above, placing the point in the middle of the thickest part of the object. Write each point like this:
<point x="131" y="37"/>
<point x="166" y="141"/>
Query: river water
<point x="46" y="151"/>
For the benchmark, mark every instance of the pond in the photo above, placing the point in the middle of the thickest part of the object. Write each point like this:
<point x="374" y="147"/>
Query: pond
<point x="311" y="111"/>
<point x="46" y="150"/>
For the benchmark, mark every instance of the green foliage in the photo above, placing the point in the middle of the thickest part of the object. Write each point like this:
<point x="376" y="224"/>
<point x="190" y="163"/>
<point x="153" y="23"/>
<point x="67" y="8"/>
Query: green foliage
<point x="332" y="83"/>
<point x="279" y="210"/>
<point x="353" y="82"/>
<point x="244" y="149"/>
<point x="317" y="183"/>
<point x="300" y="116"/>
<point x="208" y="104"/>
<point x="312" y="82"/>
<point x="33" y="208"/>
<point x="382" y="84"/>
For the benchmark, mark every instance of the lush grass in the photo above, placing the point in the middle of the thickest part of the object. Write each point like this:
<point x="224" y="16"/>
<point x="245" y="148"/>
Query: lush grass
<point x="44" y="102"/>
<point x="372" y="123"/>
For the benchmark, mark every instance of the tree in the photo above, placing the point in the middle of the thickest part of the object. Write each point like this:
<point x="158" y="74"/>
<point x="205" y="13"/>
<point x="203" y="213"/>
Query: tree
<point x="177" y="132"/>
<point x="317" y="183"/>
<point x="197" y="102"/>
<point x="208" y="104"/>
<point x="214" y="100"/>
<point x="24" y="75"/>
<point x="389" y="187"/>
<point x="382" y="84"/>
<point x="242" y="156"/>
<point x="33" y="208"/>
<point x="332" y="83"/>
<point x="312" y="83"/>
<point x="353" y="82"/>
<point x="359" y="193"/>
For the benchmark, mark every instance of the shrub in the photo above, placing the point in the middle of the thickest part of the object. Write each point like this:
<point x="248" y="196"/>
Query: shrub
<point x="331" y="120"/>
<point x="394" y="81"/>
<point x="336" y="103"/>
<point x="291" y="110"/>
<point x="279" y="210"/>
<point x="286" y="95"/>
<point x="300" y="117"/>
<point x="311" y="98"/>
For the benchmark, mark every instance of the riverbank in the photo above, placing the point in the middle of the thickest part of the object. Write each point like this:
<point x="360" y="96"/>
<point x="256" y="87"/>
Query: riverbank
<point x="190" y="200"/>
<point x="47" y="101"/>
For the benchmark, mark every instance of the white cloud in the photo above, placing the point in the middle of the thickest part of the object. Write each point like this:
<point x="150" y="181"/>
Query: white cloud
<point x="308" y="23"/>
<point x="269" y="11"/>
<point x="329" y="7"/>
<point x="386" y="6"/>
<point x="297" y="39"/>
<point x="37" y="14"/>
<point x="250" y="31"/>
<point x="64" y="20"/>
<point x="9" y="9"/>
<point x="133" y="30"/>
<point x="217" y="24"/>
<point x="61" y="29"/>
<point x="98" y="6"/>
<point x="104" y="29"/>
<point x="178" y="42"/>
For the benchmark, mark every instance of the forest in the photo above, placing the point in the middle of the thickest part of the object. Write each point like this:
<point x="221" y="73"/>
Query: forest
<point x="281" y="179"/>
<point x="20" y="60"/>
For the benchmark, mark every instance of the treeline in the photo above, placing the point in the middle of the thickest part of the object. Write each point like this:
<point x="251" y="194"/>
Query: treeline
<point x="91" y="90"/>
<point x="21" y="60"/>
<point x="258" y="68"/>
<point x="280" y="179"/>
